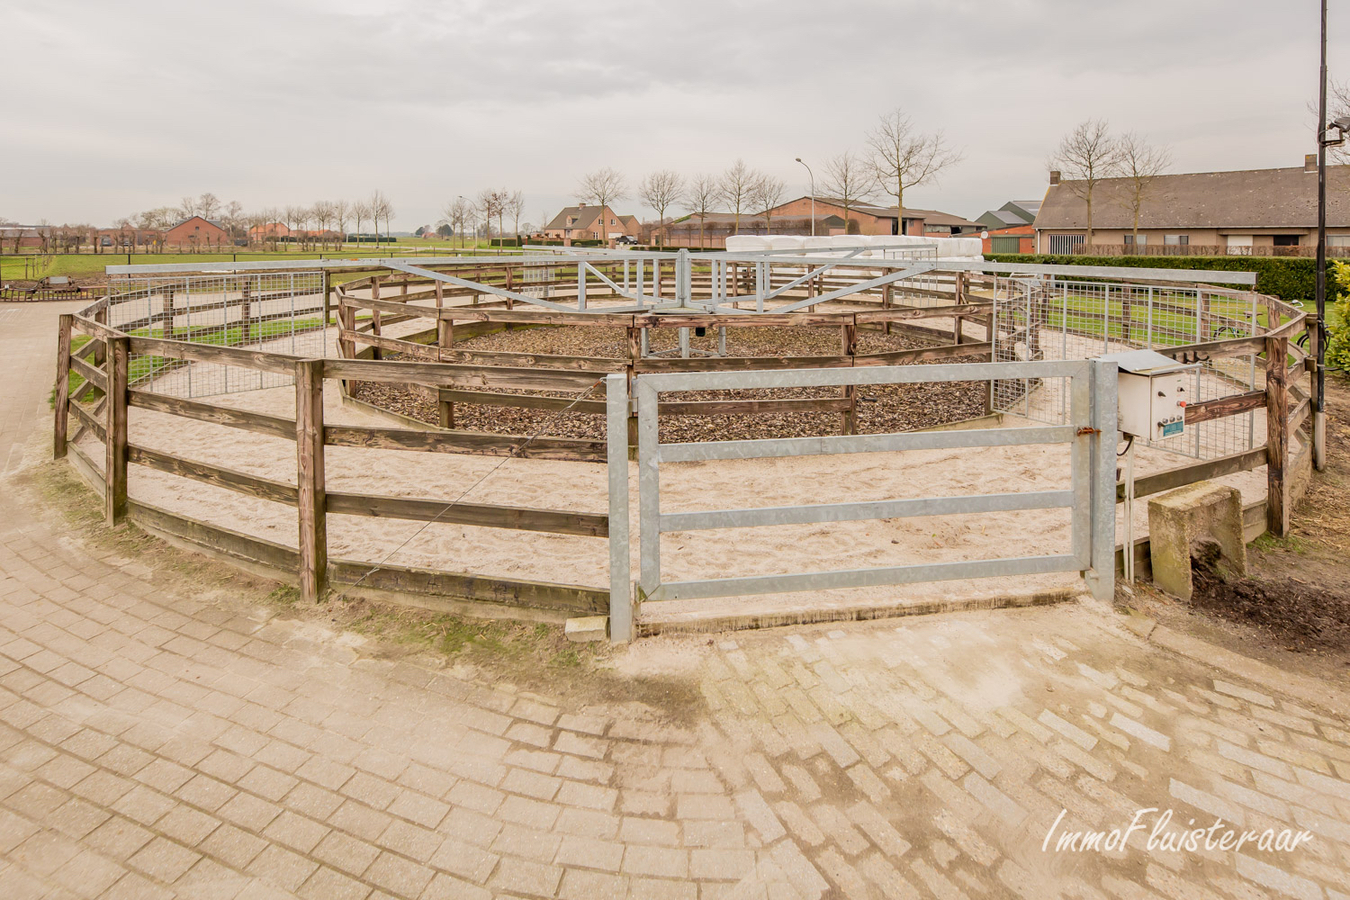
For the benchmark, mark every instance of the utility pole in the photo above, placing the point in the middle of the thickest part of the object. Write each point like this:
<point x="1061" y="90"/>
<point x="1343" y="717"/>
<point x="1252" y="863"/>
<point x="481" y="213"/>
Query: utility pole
<point x="1319" y="411"/>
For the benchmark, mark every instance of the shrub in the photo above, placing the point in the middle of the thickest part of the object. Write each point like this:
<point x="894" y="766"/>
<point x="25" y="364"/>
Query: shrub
<point x="1338" y="314"/>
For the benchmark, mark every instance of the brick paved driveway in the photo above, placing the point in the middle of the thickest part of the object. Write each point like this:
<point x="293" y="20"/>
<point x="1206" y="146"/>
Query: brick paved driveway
<point x="153" y="744"/>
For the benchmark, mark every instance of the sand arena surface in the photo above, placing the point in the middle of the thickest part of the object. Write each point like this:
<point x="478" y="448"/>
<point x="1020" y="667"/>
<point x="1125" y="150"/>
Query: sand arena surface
<point x="577" y="486"/>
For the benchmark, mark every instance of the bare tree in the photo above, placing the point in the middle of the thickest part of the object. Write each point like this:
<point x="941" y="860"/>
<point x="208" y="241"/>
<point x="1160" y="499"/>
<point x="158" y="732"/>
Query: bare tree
<point x="502" y="199"/>
<point x="486" y="206"/>
<point x="1140" y="164"/>
<point x="602" y="187"/>
<point x="515" y="204"/>
<point x="342" y="211"/>
<point x="323" y="218"/>
<point x="734" y="188"/>
<point x="380" y="208"/>
<point x="233" y="217"/>
<point x="1085" y="156"/>
<point x="850" y="180"/>
<point x="208" y="206"/>
<point x="360" y="212"/>
<point x="903" y="158"/>
<point x="701" y="198"/>
<point x="661" y="190"/>
<point x="765" y="194"/>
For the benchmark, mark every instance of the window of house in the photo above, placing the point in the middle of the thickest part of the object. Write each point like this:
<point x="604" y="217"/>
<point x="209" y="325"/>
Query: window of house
<point x="1286" y="240"/>
<point x="1176" y="240"/>
<point x="1129" y="240"/>
<point x="612" y="222"/>
<point x="1065" y="243"/>
<point x="1338" y="240"/>
<point x="1239" y="245"/>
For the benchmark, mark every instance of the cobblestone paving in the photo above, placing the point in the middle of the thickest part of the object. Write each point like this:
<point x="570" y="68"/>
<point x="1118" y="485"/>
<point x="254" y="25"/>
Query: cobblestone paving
<point x="154" y="744"/>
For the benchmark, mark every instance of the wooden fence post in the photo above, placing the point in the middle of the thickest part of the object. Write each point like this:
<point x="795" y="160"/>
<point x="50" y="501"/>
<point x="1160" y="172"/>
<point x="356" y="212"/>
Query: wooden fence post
<point x="100" y="348"/>
<point x="327" y="296"/>
<point x="376" y="352"/>
<point x="168" y="314"/>
<point x="1277" y="436"/>
<point x="310" y="479"/>
<point x="115" y="447"/>
<point x="62" y="386"/>
<point x="848" y="420"/>
<point x="246" y="312"/>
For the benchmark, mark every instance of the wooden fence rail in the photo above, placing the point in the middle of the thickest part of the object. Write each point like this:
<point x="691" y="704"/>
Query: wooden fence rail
<point x="466" y="376"/>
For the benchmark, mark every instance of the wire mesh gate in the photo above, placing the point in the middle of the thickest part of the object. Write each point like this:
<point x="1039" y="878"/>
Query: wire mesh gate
<point x="1089" y="430"/>
<point x="1048" y="319"/>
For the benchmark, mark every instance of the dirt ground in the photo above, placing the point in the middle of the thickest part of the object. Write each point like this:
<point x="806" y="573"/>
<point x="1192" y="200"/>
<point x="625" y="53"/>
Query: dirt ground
<point x="1293" y="609"/>
<point x="880" y="409"/>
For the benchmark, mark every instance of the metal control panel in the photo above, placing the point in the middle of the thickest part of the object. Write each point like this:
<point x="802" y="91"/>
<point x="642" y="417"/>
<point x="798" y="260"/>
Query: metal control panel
<point x="1154" y="391"/>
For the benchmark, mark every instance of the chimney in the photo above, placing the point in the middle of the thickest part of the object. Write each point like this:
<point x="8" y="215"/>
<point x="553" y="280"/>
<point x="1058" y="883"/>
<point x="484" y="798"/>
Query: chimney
<point x="581" y="206"/>
<point x="1310" y="162"/>
<point x="1054" y="176"/>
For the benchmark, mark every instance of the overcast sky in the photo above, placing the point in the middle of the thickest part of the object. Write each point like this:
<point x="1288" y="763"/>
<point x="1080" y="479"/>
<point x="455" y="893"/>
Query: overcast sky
<point x="113" y="108"/>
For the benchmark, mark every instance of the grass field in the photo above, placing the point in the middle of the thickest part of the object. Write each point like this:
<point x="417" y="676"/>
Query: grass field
<point x="90" y="265"/>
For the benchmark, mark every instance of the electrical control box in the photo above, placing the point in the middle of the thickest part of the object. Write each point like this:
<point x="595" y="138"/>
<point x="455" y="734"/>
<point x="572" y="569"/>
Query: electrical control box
<point x="1154" y="391"/>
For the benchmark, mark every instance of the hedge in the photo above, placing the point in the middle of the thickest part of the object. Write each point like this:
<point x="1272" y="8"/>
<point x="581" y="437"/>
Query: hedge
<point x="1286" y="277"/>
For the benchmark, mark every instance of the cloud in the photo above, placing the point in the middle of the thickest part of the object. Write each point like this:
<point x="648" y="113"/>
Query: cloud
<point x="126" y="106"/>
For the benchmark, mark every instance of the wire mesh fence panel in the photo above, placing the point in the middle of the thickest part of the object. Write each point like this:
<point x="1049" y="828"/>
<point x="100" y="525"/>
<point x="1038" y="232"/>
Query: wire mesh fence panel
<point x="1047" y="318"/>
<point x="538" y="280"/>
<point x="276" y="312"/>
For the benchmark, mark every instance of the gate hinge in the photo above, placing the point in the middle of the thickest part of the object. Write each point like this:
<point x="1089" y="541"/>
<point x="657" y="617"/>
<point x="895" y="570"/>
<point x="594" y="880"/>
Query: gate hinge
<point x="1088" y="430"/>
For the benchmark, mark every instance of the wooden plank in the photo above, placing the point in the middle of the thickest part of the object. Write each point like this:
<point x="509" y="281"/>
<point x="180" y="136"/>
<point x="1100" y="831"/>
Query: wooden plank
<point x="1299" y="415"/>
<point x="1191" y="353"/>
<point x="1202" y="471"/>
<point x="419" y="351"/>
<point x="460" y="513"/>
<point x="532" y="360"/>
<point x="919" y="354"/>
<point x="230" y="479"/>
<point x="751" y="407"/>
<point x="115" y="439"/>
<point x="765" y="320"/>
<point x="501" y="592"/>
<point x="214" y="539"/>
<point x="90" y="374"/>
<point x="280" y="363"/>
<point x="94" y="329"/>
<point x="258" y="423"/>
<point x="963" y="311"/>
<point x="1277" y="437"/>
<point x="470" y="442"/>
<point x="311" y="497"/>
<point x="738" y="363"/>
<point x="450" y="375"/>
<point x="89" y="419"/>
<point x="1223" y="407"/>
<point x="61" y="403"/>
<point x="522" y="401"/>
<point x="535" y="317"/>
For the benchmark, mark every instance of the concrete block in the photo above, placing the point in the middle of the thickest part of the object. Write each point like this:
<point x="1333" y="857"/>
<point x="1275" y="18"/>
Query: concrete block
<point x="587" y="628"/>
<point x="1180" y="525"/>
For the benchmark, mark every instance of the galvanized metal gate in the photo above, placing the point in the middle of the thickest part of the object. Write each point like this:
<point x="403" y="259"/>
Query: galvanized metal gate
<point x="1090" y="431"/>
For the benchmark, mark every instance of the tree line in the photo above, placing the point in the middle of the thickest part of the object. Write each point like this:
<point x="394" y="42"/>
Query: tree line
<point x="896" y="156"/>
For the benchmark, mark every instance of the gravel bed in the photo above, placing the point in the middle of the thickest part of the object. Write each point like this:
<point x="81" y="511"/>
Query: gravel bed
<point x="882" y="408"/>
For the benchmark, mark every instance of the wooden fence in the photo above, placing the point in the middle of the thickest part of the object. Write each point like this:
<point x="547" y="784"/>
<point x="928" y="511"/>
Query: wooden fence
<point x="101" y="404"/>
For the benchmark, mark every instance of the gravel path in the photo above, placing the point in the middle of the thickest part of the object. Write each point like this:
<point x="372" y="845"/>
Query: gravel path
<point x="886" y="408"/>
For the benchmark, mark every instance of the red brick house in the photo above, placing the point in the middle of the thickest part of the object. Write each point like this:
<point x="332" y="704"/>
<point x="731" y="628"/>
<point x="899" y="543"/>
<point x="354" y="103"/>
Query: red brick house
<point x="585" y="223"/>
<point x="195" y="232"/>
<point x="868" y="218"/>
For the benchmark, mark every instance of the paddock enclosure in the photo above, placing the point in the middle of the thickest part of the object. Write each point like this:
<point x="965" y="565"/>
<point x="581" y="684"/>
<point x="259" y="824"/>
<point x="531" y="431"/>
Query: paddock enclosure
<point x="674" y="440"/>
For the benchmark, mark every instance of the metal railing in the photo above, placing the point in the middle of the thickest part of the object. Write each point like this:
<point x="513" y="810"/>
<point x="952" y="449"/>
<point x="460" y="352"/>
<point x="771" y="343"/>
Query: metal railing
<point x="1090" y="432"/>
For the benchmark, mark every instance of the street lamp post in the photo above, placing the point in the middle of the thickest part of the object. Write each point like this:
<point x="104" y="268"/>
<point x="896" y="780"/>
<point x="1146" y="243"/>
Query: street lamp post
<point x="1323" y="142"/>
<point x="813" y="195"/>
